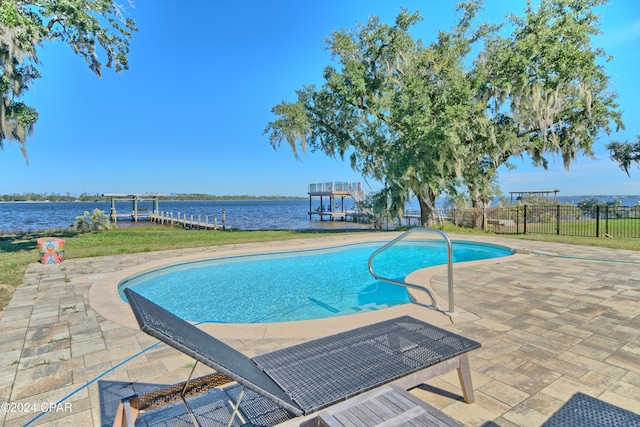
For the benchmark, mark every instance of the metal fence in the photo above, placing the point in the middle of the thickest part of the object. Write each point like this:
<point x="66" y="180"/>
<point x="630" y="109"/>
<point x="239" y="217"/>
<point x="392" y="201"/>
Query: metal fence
<point x="596" y="221"/>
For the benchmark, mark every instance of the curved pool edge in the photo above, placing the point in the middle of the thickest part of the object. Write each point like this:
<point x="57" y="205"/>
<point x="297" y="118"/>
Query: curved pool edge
<point x="105" y="299"/>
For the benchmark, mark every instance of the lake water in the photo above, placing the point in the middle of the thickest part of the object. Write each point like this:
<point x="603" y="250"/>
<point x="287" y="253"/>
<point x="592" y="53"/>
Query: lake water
<point x="240" y="214"/>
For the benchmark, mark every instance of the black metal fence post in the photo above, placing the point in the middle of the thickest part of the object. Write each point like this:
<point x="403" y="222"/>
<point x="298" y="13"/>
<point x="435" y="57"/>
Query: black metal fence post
<point x="558" y="220"/>
<point x="597" y="220"/>
<point x="524" y="231"/>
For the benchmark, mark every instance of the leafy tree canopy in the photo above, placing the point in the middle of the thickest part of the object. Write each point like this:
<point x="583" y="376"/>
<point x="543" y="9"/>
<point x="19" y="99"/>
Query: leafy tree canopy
<point x="422" y="121"/>
<point x="384" y="107"/>
<point x="88" y="27"/>
<point x="625" y="153"/>
<point x="546" y="92"/>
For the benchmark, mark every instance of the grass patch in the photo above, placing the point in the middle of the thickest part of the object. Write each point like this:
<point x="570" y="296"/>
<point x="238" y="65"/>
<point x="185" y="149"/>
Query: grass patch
<point x="15" y="255"/>
<point x="53" y="341"/>
<point x="148" y="239"/>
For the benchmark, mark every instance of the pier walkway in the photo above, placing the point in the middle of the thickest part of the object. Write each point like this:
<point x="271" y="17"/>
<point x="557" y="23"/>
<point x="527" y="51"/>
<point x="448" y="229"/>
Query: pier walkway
<point x="189" y="223"/>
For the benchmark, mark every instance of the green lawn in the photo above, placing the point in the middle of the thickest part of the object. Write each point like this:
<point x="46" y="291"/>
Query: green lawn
<point x="18" y="250"/>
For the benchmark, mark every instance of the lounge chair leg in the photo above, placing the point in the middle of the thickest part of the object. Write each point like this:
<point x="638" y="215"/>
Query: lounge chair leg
<point x="184" y="389"/>
<point x="464" y="374"/>
<point x="190" y="413"/>
<point x="194" y="420"/>
<point x="236" y="408"/>
<point x="119" y="420"/>
<point x="125" y="414"/>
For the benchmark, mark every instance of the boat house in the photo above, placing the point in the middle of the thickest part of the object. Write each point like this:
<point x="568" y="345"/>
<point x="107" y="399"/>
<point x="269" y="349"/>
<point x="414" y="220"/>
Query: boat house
<point x="334" y="200"/>
<point x="137" y="212"/>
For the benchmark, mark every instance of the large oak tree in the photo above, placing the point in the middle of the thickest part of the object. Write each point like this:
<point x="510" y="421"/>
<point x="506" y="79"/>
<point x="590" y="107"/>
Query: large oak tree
<point x="395" y="108"/>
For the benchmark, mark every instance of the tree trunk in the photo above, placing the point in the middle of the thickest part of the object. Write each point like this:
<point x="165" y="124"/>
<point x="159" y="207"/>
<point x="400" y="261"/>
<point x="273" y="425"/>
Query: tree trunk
<point x="478" y="205"/>
<point x="427" y="209"/>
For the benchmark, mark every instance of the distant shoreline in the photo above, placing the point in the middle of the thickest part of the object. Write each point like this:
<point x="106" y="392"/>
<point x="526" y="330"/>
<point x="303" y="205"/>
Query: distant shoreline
<point x="44" y="199"/>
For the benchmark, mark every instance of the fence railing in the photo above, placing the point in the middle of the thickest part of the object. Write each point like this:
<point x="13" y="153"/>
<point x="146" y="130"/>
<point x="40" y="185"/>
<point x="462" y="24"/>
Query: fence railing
<point x="596" y="221"/>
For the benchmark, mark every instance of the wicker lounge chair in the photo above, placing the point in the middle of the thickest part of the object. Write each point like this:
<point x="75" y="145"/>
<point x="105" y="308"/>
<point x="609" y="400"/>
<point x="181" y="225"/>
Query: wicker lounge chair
<point x="585" y="410"/>
<point x="308" y="377"/>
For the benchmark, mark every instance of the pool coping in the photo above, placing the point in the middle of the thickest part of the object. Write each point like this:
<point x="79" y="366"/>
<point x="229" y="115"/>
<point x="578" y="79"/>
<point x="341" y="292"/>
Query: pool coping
<point x="105" y="299"/>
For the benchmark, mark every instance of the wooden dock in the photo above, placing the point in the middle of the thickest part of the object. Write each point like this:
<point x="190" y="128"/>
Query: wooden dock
<point x="188" y="222"/>
<point x="410" y="215"/>
<point x="140" y="213"/>
<point x="341" y="215"/>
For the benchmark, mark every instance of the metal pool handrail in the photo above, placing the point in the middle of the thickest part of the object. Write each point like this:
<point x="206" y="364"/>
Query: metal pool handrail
<point x="412" y="285"/>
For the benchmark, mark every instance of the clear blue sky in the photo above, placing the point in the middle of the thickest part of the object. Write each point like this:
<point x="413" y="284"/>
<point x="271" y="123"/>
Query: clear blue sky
<point x="189" y="114"/>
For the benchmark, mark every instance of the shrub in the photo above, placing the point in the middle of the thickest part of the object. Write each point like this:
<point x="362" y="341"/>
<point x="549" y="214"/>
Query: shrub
<point x="96" y="220"/>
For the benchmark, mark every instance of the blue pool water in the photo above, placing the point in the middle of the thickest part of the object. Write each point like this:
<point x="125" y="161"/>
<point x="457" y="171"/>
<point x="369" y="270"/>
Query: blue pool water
<point x="296" y="285"/>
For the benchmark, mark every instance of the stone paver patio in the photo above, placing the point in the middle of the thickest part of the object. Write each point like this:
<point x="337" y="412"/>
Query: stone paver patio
<point x="552" y="322"/>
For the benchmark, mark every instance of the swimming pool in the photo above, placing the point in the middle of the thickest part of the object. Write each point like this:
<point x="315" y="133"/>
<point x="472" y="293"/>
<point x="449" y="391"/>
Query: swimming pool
<point x="296" y="285"/>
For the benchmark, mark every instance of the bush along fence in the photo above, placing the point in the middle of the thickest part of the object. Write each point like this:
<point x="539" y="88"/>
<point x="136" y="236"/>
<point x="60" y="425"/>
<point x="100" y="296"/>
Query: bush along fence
<point x="596" y="221"/>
